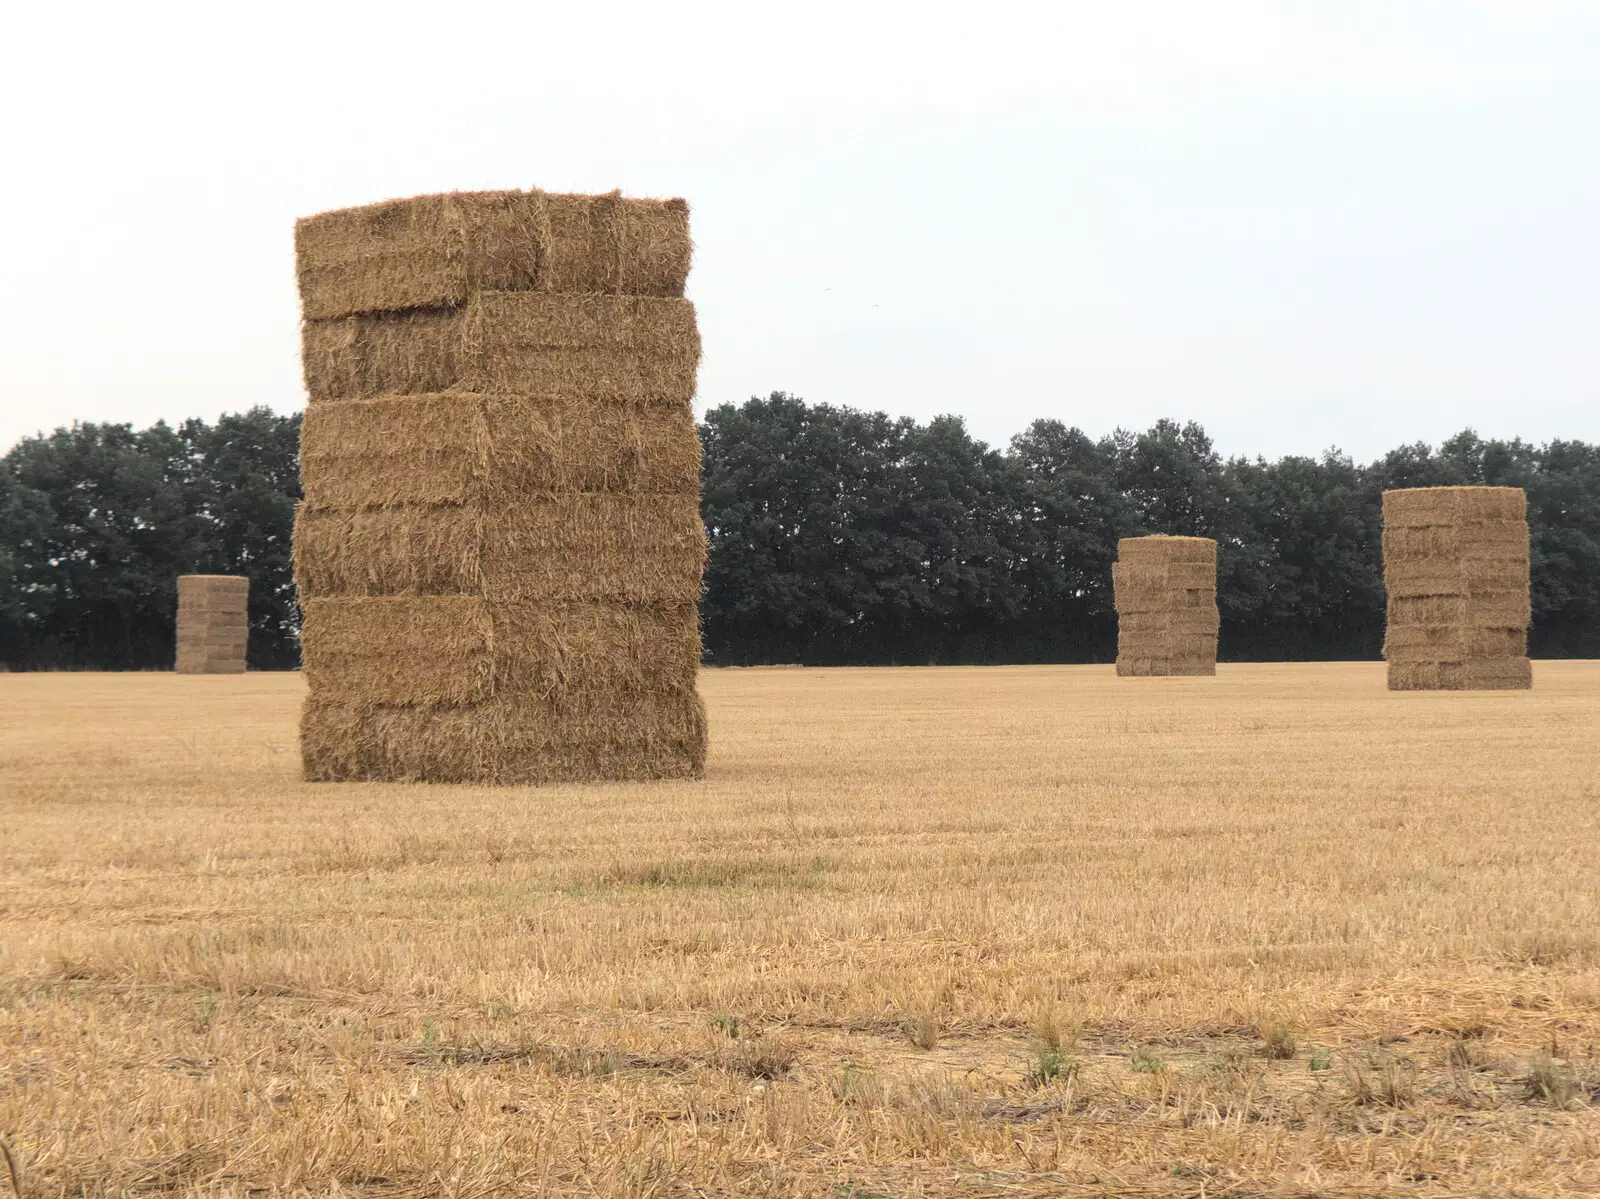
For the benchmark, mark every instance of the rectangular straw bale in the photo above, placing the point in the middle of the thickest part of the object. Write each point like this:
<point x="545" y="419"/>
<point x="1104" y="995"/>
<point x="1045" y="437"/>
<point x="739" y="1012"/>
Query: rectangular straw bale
<point x="437" y="251"/>
<point x="1419" y="506"/>
<point x="1434" y="575"/>
<point x="230" y="632"/>
<point x="1495" y="574"/>
<point x="611" y="244"/>
<point x="1159" y="549"/>
<point x="1138" y="582"/>
<point x="1186" y="622"/>
<point x="597" y="737"/>
<point x="454" y="650"/>
<point x="601" y="348"/>
<point x="1427" y="609"/>
<point x="213" y="624"/>
<point x="1193" y="575"/>
<point x="460" y="447"/>
<point x="1508" y="608"/>
<point x="1453" y="643"/>
<point x="1200" y="551"/>
<point x="1151" y="623"/>
<point x="627" y="547"/>
<point x="636" y="548"/>
<point x="1488" y="538"/>
<point x="193" y="659"/>
<point x="1168" y="666"/>
<point x="214" y="593"/>
<point x="410" y="550"/>
<point x="1498" y="674"/>
<point x="1197" y="621"/>
<point x="392" y="353"/>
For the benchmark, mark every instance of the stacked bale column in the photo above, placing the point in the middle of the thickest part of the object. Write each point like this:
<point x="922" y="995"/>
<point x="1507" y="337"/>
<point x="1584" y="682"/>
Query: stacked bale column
<point x="1455" y="563"/>
<point x="500" y="551"/>
<point x="213" y="624"/>
<point x="1165" y="590"/>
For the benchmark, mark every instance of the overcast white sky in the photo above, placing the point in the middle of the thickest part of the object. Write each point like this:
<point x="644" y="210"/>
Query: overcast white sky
<point x="1302" y="224"/>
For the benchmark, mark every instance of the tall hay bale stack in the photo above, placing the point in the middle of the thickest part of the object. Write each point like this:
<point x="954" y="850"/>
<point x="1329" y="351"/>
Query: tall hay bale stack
<point x="1166" y="597"/>
<point x="213" y="624"/>
<point x="499" y="551"/>
<point x="1455" y="564"/>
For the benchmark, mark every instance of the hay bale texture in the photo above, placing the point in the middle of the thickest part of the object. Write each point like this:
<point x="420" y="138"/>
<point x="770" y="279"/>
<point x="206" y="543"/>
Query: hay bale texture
<point x="213" y="624"/>
<point x="1455" y="563"/>
<point x="499" y="551"/>
<point x="1165" y="590"/>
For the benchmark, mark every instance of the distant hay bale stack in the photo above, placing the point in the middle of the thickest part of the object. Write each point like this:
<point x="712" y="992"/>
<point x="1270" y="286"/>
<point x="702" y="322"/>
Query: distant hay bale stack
<point x="500" y="552"/>
<point x="1165" y="590"/>
<point x="213" y="624"/>
<point x="1455" y="563"/>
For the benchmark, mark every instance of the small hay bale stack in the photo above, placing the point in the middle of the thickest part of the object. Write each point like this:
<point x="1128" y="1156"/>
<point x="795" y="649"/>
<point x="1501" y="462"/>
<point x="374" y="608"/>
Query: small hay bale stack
<point x="499" y="552"/>
<point x="1455" y="564"/>
<point x="1166" y="597"/>
<point x="213" y="623"/>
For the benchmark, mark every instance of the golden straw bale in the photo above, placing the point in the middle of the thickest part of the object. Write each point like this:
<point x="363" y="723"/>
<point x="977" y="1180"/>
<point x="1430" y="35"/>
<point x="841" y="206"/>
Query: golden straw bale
<point x="631" y="548"/>
<point x="213" y="626"/>
<point x="438" y="251"/>
<point x="499" y="553"/>
<point x="1420" y="506"/>
<point x="459" y="649"/>
<point x="1499" y="674"/>
<point x="1166" y="666"/>
<point x="459" y="448"/>
<point x="1161" y="549"/>
<point x="1484" y="538"/>
<point x="1456" y="567"/>
<point x="1454" y="642"/>
<point x="595" y="736"/>
<point x="1166" y="599"/>
<point x="602" y="348"/>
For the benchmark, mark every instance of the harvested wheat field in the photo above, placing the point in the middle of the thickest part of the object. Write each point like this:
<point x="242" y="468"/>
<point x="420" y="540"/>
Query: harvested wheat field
<point x="1031" y="931"/>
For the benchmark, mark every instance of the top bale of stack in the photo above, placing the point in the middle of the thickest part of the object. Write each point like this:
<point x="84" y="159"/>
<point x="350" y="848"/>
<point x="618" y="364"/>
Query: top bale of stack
<point x="1421" y="507"/>
<point x="438" y="251"/>
<point x="1161" y="571"/>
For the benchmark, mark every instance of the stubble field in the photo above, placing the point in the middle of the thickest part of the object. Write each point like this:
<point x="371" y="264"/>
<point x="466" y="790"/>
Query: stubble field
<point x="1006" y="931"/>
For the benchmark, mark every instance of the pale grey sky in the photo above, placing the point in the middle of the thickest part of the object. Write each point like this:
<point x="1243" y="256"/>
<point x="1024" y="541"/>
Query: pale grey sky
<point x="1301" y="224"/>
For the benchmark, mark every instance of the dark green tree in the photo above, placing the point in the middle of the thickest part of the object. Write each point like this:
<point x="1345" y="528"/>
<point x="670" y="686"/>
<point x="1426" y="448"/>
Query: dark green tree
<point x="1306" y="553"/>
<point x="837" y="536"/>
<point x="247" y="481"/>
<point x="121" y="523"/>
<point x="809" y="560"/>
<point x="1072" y="514"/>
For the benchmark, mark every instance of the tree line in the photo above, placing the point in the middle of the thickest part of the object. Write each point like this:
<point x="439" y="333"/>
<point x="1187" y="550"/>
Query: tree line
<point x="837" y="537"/>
